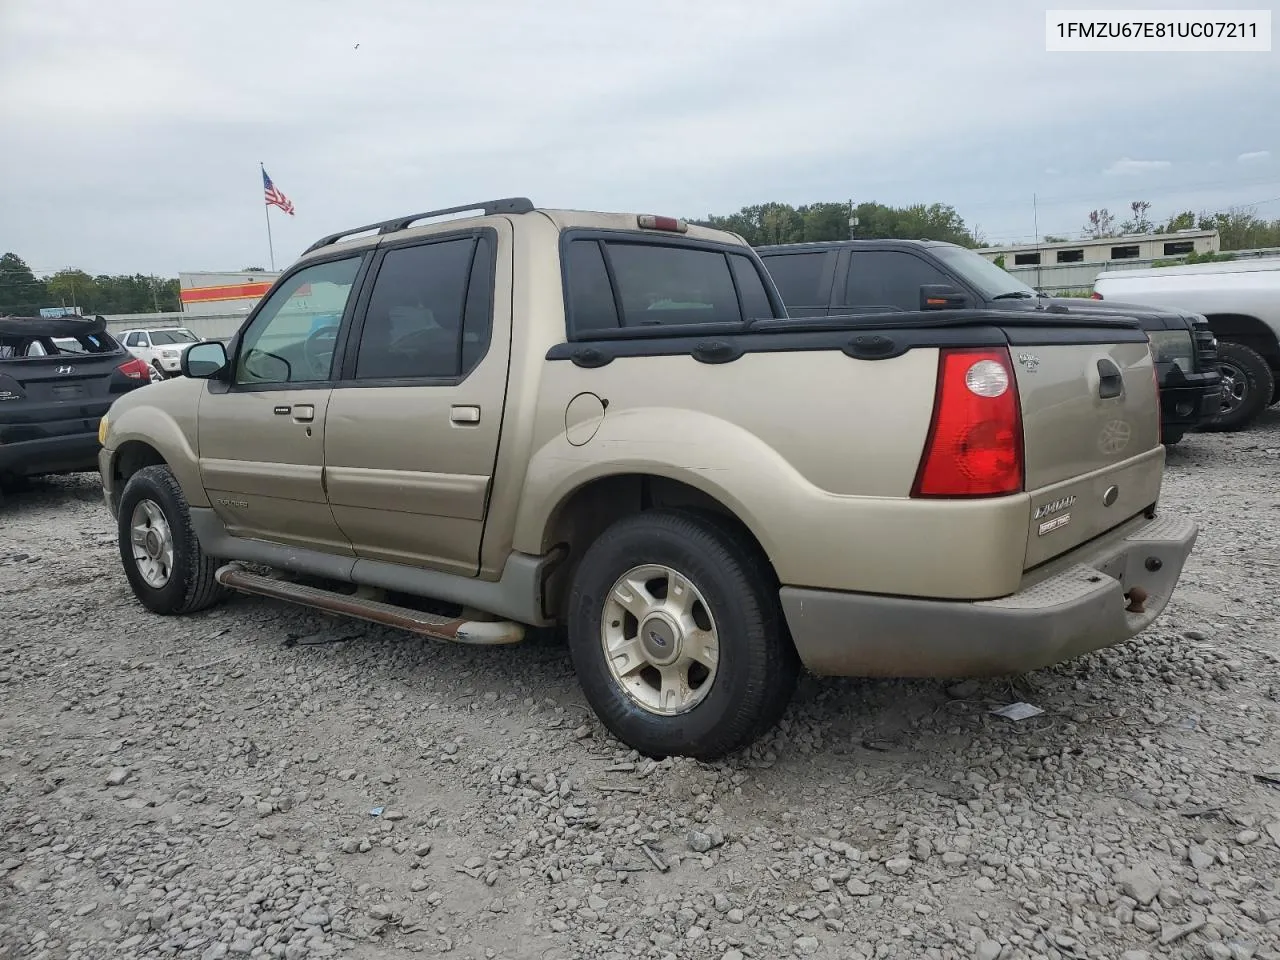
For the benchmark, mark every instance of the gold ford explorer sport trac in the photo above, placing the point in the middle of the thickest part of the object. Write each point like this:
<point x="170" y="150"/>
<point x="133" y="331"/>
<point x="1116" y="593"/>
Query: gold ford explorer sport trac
<point x="607" y="423"/>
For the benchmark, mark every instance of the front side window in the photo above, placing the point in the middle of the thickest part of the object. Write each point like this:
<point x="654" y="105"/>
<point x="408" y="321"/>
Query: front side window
<point x="292" y="338"/>
<point x="429" y="312"/>
<point x="888" y="280"/>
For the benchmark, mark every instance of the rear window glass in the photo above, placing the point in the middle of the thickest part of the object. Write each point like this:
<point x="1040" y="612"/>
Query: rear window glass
<point x="29" y="348"/>
<point x="660" y="285"/>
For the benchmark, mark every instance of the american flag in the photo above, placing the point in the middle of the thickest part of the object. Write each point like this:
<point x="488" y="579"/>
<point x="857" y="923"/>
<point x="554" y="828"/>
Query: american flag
<point x="274" y="197"/>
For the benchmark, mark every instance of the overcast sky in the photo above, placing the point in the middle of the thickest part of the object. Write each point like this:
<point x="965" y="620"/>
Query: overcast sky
<point x="132" y="130"/>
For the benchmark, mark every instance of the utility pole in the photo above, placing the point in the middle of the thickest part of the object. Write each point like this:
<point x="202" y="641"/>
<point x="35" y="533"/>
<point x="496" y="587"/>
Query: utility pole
<point x="853" y="221"/>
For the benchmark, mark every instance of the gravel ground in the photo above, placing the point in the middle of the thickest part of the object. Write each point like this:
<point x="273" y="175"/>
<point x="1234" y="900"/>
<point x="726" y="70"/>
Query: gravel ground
<point x="263" y="781"/>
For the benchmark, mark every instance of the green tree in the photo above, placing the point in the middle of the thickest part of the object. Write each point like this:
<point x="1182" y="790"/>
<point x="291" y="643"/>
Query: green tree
<point x="1140" y="221"/>
<point x="72" y="288"/>
<point x="769" y="223"/>
<point x="1241" y="229"/>
<point x="1186" y="220"/>
<point x="1050" y="238"/>
<point x="1101" y="223"/>
<point x="21" y="294"/>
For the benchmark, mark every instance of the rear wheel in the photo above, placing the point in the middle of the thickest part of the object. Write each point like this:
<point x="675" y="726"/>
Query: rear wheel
<point x="1247" y="386"/>
<point x="677" y="635"/>
<point x="163" y="562"/>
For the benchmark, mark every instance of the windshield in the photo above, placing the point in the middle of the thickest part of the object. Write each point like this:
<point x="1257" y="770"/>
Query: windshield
<point x="172" y="336"/>
<point x="991" y="281"/>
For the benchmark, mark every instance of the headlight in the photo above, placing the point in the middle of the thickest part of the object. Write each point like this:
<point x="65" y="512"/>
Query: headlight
<point x="169" y="354"/>
<point x="102" y="430"/>
<point x="1173" y="346"/>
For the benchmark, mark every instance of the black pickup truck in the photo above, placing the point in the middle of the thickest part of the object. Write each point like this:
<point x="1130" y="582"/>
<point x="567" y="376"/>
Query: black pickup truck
<point x="878" y="276"/>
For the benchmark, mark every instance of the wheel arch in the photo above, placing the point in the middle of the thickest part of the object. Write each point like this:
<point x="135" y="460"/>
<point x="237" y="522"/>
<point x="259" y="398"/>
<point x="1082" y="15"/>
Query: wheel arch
<point x="1247" y="330"/>
<point x="589" y="508"/>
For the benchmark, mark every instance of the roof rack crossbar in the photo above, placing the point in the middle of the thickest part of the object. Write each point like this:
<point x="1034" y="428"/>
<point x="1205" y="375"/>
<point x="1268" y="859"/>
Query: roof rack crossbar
<point x="490" y="208"/>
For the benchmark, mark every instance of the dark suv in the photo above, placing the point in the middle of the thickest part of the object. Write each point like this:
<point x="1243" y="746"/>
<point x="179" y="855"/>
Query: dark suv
<point x="57" y="379"/>
<point x="876" y="276"/>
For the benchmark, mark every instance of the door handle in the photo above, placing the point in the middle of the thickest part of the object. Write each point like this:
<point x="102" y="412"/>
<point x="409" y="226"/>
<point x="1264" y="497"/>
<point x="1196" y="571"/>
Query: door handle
<point x="464" y="413"/>
<point x="304" y="412"/>
<point x="1110" y="380"/>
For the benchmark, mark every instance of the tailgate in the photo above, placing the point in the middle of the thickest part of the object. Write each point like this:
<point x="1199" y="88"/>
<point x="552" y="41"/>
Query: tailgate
<point x="1091" y="434"/>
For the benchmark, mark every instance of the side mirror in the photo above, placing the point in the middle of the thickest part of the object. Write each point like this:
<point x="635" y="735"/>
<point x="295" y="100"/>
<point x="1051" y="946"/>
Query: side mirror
<point x="942" y="296"/>
<point x="204" y="361"/>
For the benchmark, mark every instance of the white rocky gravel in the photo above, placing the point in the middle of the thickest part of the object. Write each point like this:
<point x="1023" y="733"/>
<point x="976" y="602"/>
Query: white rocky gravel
<point x="206" y="788"/>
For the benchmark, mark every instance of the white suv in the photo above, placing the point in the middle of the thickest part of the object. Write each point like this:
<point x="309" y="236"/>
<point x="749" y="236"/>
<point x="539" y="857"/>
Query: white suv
<point x="161" y="349"/>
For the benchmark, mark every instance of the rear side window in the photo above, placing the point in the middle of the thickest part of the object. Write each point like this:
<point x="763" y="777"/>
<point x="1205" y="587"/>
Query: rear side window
<point x="888" y="280"/>
<point x="591" y="303"/>
<point x="798" y="277"/>
<point x="613" y="284"/>
<point x="426" y="319"/>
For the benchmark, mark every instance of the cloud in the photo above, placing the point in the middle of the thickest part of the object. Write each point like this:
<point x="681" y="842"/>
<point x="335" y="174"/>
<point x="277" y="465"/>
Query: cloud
<point x="143" y="156"/>
<point x="1254" y="156"/>
<point x="1127" y="167"/>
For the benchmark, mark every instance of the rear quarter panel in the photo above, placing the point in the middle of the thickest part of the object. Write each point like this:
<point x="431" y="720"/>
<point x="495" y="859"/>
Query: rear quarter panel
<point x="815" y="452"/>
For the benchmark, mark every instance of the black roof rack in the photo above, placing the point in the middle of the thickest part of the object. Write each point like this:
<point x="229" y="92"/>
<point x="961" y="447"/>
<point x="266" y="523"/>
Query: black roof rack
<point x="490" y="208"/>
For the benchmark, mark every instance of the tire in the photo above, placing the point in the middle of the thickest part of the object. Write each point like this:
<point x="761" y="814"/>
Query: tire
<point x="1174" y="437"/>
<point x="1275" y="393"/>
<point x="734" y="598"/>
<point x="189" y="585"/>
<point x="155" y="365"/>
<point x="1247" y="385"/>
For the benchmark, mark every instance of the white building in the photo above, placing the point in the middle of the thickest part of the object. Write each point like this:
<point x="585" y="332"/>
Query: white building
<point x="205" y="293"/>
<point x="1072" y="265"/>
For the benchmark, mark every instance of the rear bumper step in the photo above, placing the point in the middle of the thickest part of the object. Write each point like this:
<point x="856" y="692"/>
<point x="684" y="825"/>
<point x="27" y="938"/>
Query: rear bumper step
<point x="459" y="630"/>
<point x="1113" y="592"/>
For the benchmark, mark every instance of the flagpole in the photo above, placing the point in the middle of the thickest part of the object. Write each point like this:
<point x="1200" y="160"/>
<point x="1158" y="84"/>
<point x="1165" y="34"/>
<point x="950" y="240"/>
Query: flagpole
<point x="266" y="210"/>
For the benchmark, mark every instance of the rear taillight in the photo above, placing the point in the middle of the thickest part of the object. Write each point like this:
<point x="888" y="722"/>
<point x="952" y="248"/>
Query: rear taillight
<point x="135" y="369"/>
<point x="1095" y="295"/>
<point x="974" y="447"/>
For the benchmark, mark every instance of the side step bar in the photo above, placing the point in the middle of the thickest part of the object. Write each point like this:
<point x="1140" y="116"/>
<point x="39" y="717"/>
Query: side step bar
<point x="461" y="630"/>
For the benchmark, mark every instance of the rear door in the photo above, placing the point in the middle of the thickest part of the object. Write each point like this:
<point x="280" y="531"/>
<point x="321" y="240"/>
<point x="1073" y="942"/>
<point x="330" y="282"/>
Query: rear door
<point x="803" y="279"/>
<point x="411" y="437"/>
<point x="262" y="436"/>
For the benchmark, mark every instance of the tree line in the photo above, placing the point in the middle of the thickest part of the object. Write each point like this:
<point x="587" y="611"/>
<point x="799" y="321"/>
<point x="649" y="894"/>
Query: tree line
<point x="770" y="223"/>
<point x="22" y="293"/>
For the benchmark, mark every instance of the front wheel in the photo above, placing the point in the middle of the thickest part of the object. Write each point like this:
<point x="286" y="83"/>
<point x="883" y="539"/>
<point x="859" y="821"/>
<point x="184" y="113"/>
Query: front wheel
<point x="163" y="562"/>
<point x="677" y="635"/>
<point x="1247" y="386"/>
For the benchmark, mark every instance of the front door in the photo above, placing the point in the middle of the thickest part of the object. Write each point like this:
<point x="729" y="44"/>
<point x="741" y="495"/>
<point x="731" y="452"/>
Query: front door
<point x="262" y="437"/>
<point x="412" y="432"/>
